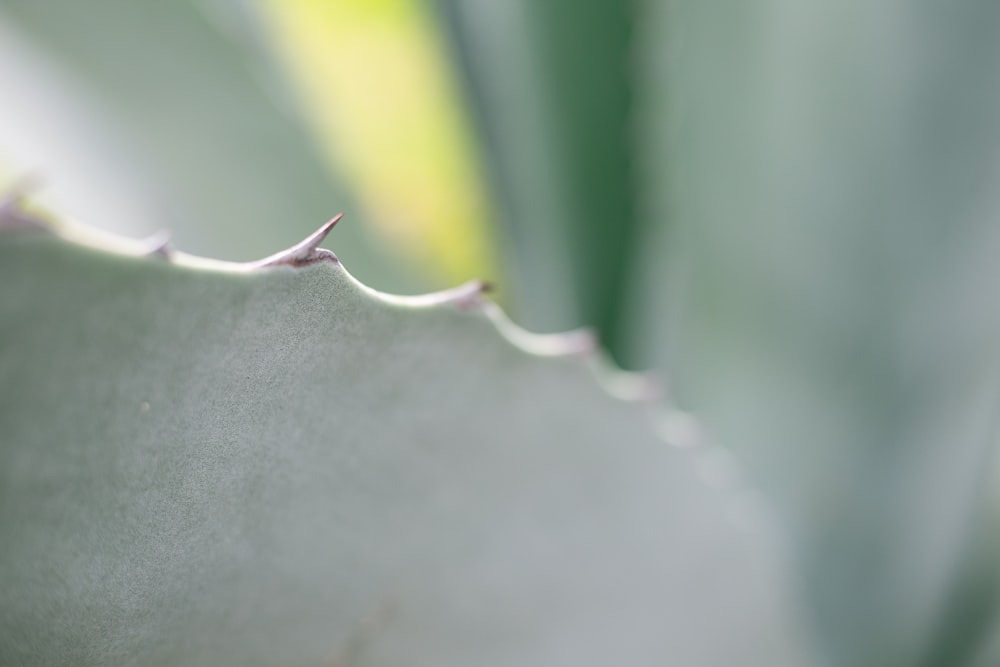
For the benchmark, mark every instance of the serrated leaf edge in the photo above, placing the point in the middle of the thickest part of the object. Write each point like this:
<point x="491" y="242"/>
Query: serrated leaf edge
<point x="717" y="467"/>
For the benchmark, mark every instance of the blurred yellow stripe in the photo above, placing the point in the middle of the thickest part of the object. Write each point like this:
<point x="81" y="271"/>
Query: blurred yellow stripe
<point x="378" y="86"/>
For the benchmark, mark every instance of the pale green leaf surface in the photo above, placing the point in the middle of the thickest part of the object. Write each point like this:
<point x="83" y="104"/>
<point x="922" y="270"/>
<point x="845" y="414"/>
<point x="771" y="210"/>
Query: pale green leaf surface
<point x="279" y="468"/>
<point x="825" y="293"/>
<point x="181" y="100"/>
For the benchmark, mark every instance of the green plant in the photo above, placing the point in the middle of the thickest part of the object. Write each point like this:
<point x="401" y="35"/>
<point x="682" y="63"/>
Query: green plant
<point x="259" y="464"/>
<point x="788" y="209"/>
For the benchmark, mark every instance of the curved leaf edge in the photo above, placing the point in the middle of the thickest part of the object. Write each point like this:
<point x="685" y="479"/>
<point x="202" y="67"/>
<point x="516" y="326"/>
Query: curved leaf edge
<point x="716" y="465"/>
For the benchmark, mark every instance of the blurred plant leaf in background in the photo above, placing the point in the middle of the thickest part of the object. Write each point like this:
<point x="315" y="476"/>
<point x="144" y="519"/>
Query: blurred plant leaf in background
<point x="187" y="96"/>
<point x="825" y="292"/>
<point x="551" y="87"/>
<point x="380" y="92"/>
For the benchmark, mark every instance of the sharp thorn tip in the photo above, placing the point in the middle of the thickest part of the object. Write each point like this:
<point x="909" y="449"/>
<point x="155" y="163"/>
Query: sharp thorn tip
<point x="312" y="242"/>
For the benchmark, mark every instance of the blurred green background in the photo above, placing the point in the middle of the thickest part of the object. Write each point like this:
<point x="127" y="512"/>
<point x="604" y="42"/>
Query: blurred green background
<point x="790" y="209"/>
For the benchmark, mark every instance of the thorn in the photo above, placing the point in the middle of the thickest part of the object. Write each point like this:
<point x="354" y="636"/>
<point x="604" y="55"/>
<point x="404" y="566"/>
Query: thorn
<point x="23" y="187"/>
<point x="581" y="342"/>
<point x="680" y="429"/>
<point x="630" y="385"/>
<point x="12" y="213"/>
<point x="158" y="245"/>
<point x="648" y="388"/>
<point x="304" y="252"/>
<point x="470" y="295"/>
<point x="467" y="296"/>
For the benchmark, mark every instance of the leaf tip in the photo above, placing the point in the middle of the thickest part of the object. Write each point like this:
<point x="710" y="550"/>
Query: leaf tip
<point x="159" y="245"/>
<point x="468" y="296"/>
<point x="306" y="251"/>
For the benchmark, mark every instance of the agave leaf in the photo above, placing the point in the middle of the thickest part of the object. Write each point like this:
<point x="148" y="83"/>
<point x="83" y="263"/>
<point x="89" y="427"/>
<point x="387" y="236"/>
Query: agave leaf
<point x="206" y="463"/>
<point x="200" y="128"/>
<point x="826" y="290"/>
